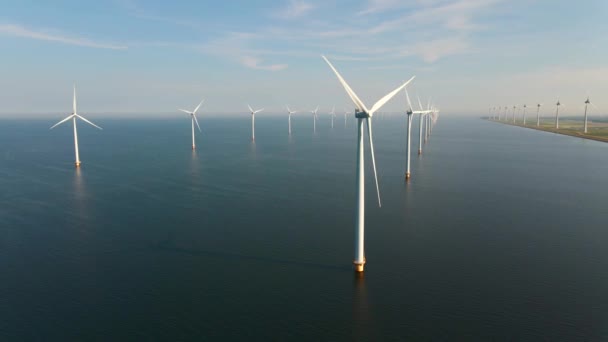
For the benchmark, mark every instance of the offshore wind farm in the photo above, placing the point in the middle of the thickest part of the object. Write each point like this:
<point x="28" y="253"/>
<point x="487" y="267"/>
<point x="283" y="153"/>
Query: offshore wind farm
<point x="293" y="206"/>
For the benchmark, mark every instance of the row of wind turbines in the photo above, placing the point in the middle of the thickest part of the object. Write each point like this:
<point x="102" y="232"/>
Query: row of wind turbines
<point x="501" y="113"/>
<point x="427" y="119"/>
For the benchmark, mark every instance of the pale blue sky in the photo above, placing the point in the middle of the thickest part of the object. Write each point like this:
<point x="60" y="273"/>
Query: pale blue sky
<point x="134" y="56"/>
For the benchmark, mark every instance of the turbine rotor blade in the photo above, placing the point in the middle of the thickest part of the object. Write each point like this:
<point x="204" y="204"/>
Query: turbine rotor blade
<point x="87" y="121"/>
<point x="74" y="104"/>
<point x="196" y="121"/>
<point x="360" y="105"/>
<point x="62" y="121"/>
<point x="185" y="111"/>
<point x="250" y="109"/>
<point x="388" y="96"/>
<point x="408" y="100"/>
<point x="257" y="111"/>
<point x="197" y="107"/>
<point x="371" y="148"/>
<point x="419" y="103"/>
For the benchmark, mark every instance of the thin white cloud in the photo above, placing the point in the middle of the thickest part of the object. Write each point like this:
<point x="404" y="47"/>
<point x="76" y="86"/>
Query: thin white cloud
<point x="20" y="31"/>
<point x="255" y="63"/>
<point x="295" y="9"/>
<point x="434" y="50"/>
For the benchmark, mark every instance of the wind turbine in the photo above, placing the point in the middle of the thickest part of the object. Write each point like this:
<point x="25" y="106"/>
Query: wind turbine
<point x="587" y="102"/>
<point x="289" y="118"/>
<point x="514" y="107"/>
<point x="253" y="112"/>
<point x="314" y="119"/>
<point x="193" y="119"/>
<point x="346" y="112"/>
<point x="525" y="114"/>
<point x="362" y="113"/>
<point x="557" y="114"/>
<point x="333" y="115"/>
<point x="421" y="123"/>
<point x="538" y="114"/>
<point x="73" y="116"/>
<point x="409" y="112"/>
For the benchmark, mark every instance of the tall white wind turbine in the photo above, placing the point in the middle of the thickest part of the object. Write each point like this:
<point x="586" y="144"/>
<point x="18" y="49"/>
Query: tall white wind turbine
<point x="514" y="107"/>
<point x="538" y="114"/>
<point x="346" y="112"/>
<point x="333" y="115"/>
<point x="420" y="124"/>
<point x="289" y="117"/>
<point x="525" y="107"/>
<point x="74" y="116"/>
<point x="557" y="114"/>
<point x="193" y="119"/>
<point x="253" y="113"/>
<point x="587" y="102"/>
<point x="362" y="113"/>
<point x="314" y="119"/>
<point x="410" y="113"/>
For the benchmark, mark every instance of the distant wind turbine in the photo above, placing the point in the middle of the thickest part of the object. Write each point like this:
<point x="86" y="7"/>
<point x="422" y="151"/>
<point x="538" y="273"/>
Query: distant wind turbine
<point x="557" y="114"/>
<point x="420" y="124"/>
<point x="193" y="119"/>
<point x="525" y="114"/>
<point x="253" y="112"/>
<point x="587" y="102"/>
<point x="410" y="112"/>
<point x="346" y="112"/>
<point x="73" y="116"/>
<point x="314" y="119"/>
<point x="333" y="115"/>
<point x="289" y="117"/>
<point x="362" y="113"/>
<point x="514" y="107"/>
<point x="538" y="114"/>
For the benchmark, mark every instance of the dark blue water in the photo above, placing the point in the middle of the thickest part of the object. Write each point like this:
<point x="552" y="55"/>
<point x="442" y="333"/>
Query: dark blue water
<point x="500" y="235"/>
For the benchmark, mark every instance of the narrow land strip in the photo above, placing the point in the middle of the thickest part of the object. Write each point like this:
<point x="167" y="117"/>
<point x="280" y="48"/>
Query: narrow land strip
<point x="598" y="132"/>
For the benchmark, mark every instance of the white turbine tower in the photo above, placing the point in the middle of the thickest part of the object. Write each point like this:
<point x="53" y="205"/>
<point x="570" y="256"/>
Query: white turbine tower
<point x="538" y="114"/>
<point x="421" y="122"/>
<point x="410" y="112"/>
<point x="253" y="112"/>
<point x="289" y="117"/>
<point x="314" y="119"/>
<point x="362" y="113"/>
<point x="73" y="116"/>
<point x="333" y="115"/>
<point x="346" y="112"/>
<point x="514" y="107"/>
<point x="557" y="114"/>
<point x="525" y="107"/>
<point x="193" y="119"/>
<point x="587" y="102"/>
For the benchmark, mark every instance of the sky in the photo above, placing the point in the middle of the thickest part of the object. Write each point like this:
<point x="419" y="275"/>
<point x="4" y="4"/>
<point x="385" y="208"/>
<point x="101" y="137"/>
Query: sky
<point x="135" y="58"/>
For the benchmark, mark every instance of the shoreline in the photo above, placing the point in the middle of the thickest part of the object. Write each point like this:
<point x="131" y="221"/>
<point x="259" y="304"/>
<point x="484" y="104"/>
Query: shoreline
<point x="552" y="130"/>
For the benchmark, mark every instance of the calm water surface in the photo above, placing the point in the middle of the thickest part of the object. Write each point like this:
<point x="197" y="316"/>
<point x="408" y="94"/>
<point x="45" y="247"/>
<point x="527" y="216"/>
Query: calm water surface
<point x="501" y="234"/>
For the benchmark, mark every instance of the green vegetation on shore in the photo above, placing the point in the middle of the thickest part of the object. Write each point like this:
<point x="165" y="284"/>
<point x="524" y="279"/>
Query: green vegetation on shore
<point x="596" y="130"/>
